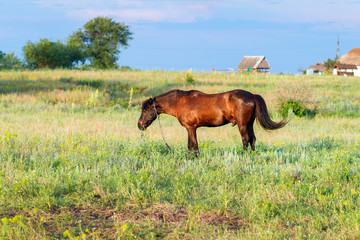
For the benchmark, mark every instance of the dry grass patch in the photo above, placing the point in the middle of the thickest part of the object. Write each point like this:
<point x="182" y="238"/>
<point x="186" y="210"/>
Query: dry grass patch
<point x="107" y="223"/>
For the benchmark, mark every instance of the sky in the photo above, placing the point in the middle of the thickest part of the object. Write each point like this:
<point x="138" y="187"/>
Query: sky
<point x="197" y="35"/>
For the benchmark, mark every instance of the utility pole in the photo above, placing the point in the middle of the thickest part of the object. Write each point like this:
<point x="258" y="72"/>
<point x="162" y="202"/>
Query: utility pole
<point x="338" y="48"/>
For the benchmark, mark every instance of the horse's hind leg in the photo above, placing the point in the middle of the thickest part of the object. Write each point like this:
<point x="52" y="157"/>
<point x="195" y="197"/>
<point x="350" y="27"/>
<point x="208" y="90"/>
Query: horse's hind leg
<point x="244" y="118"/>
<point x="250" y="130"/>
<point x="252" y="138"/>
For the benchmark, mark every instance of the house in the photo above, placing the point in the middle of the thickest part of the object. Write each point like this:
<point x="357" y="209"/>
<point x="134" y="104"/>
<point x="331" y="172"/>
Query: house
<point x="318" y="68"/>
<point x="351" y="58"/>
<point x="254" y="64"/>
<point x="344" y="69"/>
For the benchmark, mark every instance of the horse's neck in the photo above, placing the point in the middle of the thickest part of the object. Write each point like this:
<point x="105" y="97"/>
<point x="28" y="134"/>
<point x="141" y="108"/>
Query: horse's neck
<point x="166" y="105"/>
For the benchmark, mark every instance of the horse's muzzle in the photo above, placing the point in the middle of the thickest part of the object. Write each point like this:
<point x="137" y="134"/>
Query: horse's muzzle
<point x="142" y="127"/>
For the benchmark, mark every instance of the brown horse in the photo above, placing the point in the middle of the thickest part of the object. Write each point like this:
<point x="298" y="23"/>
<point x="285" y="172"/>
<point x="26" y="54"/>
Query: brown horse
<point x="196" y="109"/>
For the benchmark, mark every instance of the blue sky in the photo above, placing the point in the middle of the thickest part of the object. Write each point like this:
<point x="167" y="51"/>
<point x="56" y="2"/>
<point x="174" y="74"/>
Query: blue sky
<point x="189" y="34"/>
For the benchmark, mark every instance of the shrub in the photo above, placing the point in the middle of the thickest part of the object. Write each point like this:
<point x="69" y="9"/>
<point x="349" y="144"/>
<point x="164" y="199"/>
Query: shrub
<point x="296" y="107"/>
<point x="189" y="78"/>
<point x="125" y="69"/>
<point x="297" y="98"/>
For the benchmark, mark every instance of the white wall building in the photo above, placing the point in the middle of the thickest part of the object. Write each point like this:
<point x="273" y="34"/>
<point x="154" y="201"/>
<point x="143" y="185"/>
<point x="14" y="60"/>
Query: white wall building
<point x="351" y="58"/>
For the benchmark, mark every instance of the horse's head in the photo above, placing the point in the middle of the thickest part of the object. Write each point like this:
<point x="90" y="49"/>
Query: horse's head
<point x="148" y="114"/>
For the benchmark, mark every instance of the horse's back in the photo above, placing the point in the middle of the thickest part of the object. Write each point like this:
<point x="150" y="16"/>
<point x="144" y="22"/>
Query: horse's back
<point x="224" y="99"/>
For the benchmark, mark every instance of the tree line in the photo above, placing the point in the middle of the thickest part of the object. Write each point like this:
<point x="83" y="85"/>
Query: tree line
<point x="97" y="44"/>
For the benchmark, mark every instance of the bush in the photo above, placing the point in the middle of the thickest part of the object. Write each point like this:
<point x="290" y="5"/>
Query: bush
<point x="296" y="107"/>
<point x="125" y="69"/>
<point x="189" y="78"/>
<point x="297" y="98"/>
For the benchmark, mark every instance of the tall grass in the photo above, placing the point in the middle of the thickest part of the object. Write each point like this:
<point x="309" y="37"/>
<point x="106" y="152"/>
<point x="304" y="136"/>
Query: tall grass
<point x="74" y="165"/>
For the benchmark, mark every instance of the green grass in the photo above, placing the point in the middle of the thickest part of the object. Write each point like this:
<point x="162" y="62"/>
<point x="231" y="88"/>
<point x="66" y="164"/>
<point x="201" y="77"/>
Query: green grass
<point x="74" y="165"/>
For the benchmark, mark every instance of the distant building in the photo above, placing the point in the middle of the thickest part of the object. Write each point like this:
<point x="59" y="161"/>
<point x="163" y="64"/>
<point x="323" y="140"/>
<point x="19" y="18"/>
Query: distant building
<point x="344" y="69"/>
<point x="318" y="68"/>
<point x="254" y="64"/>
<point x="351" y="58"/>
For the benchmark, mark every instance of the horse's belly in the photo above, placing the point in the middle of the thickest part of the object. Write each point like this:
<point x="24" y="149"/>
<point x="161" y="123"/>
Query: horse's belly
<point x="214" y="125"/>
<point x="213" y="120"/>
<point x="206" y="117"/>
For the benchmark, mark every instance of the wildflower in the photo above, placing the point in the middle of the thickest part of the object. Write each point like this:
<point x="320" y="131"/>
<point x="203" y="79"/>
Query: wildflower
<point x="124" y="227"/>
<point x="25" y="181"/>
<point x="17" y="219"/>
<point x="67" y="234"/>
<point x="4" y="220"/>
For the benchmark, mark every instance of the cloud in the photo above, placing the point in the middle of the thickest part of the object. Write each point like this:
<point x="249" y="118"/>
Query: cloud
<point x="309" y="11"/>
<point x="333" y="15"/>
<point x="338" y="13"/>
<point x="183" y="11"/>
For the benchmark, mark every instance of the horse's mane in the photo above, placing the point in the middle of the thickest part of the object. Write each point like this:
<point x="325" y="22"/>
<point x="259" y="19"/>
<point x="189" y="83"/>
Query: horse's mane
<point x="170" y="96"/>
<point x="177" y="93"/>
<point x="146" y="103"/>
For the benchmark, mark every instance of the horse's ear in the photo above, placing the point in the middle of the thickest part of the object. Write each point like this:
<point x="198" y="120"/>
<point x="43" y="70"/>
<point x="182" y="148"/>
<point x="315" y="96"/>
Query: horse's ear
<point x="152" y="100"/>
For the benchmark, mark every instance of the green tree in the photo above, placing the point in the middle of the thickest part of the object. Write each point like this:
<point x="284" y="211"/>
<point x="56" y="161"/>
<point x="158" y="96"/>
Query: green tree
<point x="330" y="63"/>
<point x="10" y="61"/>
<point x="2" y="55"/>
<point x="48" y="54"/>
<point x="100" y="40"/>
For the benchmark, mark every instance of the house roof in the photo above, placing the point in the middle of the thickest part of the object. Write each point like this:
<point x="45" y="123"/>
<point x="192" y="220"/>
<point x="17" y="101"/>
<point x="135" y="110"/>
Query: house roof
<point x="318" y="67"/>
<point x="352" y="57"/>
<point x="345" y="66"/>
<point x="254" y="62"/>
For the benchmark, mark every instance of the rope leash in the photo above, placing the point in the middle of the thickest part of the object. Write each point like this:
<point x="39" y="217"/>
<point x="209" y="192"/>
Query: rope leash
<point x="162" y="133"/>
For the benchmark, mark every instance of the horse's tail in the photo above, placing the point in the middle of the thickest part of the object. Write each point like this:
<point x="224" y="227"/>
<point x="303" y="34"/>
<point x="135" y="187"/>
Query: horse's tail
<point x="263" y="116"/>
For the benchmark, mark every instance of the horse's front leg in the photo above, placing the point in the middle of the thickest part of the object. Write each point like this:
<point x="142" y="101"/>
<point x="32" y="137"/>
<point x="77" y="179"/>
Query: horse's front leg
<point x="192" y="140"/>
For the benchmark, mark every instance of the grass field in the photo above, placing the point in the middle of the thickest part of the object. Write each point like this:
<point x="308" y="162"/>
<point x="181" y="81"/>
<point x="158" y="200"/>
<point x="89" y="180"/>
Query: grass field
<point x="73" y="164"/>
